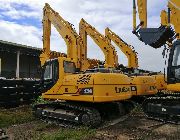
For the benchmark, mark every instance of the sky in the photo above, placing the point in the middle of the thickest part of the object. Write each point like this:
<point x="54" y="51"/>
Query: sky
<point x="21" y="22"/>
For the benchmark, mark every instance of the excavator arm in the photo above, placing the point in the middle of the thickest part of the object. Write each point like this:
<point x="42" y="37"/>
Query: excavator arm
<point x="65" y="29"/>
<point x="174" y="18"/>
<point x="142" y="10"/>
<point x="108" y="50"/>
<point x="124" y="47"/>
<point x="157" y="37"/>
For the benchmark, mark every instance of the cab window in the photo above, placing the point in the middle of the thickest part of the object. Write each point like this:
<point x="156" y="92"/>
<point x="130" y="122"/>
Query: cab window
<point x="176" y="57"/>
<point x="69" y="67"/>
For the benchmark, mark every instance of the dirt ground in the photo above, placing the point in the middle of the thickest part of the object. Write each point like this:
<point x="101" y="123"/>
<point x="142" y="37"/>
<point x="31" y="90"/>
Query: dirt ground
<point x="132" y="127"/>
<point x="139" y="128"/>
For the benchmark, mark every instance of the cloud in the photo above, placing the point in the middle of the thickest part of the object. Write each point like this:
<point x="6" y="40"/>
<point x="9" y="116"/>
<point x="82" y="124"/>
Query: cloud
<point x="22" y="34"/>
<point x="14" y="14"/>
<point x="15" y="11"/>
<point x="116" y="14"/>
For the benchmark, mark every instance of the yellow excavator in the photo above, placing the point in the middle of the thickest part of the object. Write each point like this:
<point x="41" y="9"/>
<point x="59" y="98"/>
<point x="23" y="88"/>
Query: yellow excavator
<point x="146" y="85"/>
<point x="166" y="106"/>
<point x="144" y="80"/>
<point x="75" y="95"/>
<point x="78" y="93"/>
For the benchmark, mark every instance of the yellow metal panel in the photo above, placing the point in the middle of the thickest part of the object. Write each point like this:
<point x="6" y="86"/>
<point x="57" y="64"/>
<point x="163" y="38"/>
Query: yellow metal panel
<point x="160" y="82"/>
<point x="71" y="97"/>
<point x="101" y="93"/>
<point x="68" y="90"/>
<point x="174" y="87"/>
<point x="111" y="92"/>
<point x="111" y="78"/>
<point x="146" y="85"/>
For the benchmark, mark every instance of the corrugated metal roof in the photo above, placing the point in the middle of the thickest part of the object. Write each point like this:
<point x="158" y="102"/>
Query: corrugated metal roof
<point x="24" y="49"/>
<point x="19" y="45"/>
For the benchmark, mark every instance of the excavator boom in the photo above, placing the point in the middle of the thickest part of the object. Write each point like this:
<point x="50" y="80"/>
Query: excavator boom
<point x="108" y="50"/>
<point x="142" y="10"/>
<point x="124" y="47"/>
<point x="65" y="29"/>
<point x="73" y="41"/>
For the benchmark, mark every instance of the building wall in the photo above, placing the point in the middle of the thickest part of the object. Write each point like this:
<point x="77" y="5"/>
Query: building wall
<point x="28" y="66"/>
<point x="8" y="64"/>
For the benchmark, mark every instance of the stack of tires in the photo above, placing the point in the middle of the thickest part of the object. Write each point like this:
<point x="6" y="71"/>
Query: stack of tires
<point x="15" y="92"/>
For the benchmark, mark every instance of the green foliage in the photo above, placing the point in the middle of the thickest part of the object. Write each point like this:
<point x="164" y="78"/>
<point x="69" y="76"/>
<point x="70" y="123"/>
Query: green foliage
<point x="39" y="100"/>
<point x="137" y="108"/>
<point x="15" y="116"/>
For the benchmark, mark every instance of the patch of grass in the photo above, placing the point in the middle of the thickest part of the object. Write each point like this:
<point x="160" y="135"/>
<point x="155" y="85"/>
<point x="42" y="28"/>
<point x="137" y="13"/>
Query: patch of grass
<point x="43" y="131"/>
<point x="137" y="108"/>
<point x="69" y="134"/>
<point x="17" y="115"/>
<point x="39" y="100"/>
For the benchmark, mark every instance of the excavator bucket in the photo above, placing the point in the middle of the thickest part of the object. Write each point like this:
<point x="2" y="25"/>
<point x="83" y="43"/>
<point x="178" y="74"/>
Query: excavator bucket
<point x="156" y="37"/>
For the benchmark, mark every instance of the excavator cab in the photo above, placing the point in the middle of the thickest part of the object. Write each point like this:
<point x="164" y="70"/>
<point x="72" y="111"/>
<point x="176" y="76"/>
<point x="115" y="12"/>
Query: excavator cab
<point x="155" y="37"/>
<point x="50" y="74"/>
<point x="174" y="64"/>
<point x="52" y="71"/>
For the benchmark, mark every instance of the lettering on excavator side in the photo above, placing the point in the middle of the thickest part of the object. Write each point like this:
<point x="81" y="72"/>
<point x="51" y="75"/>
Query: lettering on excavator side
<point x="86" y="91"/>
<point x="122" y="89"/>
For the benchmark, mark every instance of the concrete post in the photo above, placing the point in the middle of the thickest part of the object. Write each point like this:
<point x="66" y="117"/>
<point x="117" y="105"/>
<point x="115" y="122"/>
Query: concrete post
<point x="17" y="65"/>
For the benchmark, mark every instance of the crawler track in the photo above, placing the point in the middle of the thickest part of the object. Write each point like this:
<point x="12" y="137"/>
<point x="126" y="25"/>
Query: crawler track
<point x="72" y="114"/>
<point x="68" y="114"/>
<point x="164" y="108"/>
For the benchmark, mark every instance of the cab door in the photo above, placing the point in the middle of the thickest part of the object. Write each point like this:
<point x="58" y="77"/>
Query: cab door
<point x="173" y="74"/>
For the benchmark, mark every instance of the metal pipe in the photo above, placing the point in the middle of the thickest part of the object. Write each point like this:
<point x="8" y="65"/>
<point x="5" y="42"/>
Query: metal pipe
<point x="134" y="15"/>
<point x="169" y="16"/>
